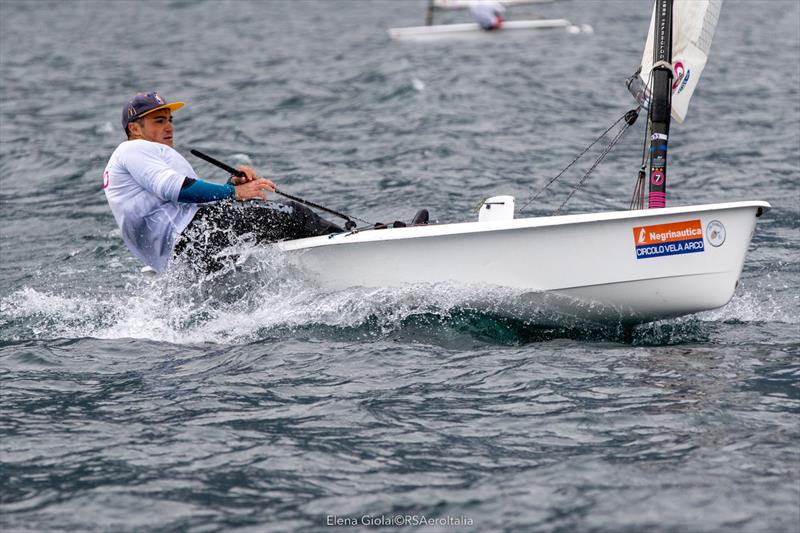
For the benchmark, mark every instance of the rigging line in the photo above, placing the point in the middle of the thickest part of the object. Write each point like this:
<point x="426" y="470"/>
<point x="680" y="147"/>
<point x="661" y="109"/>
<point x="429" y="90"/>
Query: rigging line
<point x="599" y="159"/>
<point x="574" y="160"/>
<point x="647" y="130"/>
<point x="637" y="199"/>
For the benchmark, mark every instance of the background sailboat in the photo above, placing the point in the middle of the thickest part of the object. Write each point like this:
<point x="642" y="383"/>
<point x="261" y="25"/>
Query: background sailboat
<point x="463" y="4"/>
<point x="471" y="30"/>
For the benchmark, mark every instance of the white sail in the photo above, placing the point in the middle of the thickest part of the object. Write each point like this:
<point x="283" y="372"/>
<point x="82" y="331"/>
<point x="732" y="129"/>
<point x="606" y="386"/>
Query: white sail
<point x="693" y="25"/>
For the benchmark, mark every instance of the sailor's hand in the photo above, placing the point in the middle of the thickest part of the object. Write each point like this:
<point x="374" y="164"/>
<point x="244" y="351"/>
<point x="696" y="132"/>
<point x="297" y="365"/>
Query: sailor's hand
<point x="249" y="175"/>
<point x="254" y="190"/>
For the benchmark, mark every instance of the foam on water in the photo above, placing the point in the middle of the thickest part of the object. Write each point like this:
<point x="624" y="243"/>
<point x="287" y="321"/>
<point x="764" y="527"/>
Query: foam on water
<point x="265" y="295"/>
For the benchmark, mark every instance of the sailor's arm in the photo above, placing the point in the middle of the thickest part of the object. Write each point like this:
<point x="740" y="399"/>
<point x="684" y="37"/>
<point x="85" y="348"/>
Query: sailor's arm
<point x="199" y="191"/>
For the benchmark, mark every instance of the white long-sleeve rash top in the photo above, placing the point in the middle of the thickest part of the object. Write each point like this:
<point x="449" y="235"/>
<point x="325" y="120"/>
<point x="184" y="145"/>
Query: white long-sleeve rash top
<point x="142" y="181"/>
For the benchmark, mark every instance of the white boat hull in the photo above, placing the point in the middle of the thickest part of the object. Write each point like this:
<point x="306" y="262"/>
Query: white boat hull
<point x="473" y="30"/>
<point x="590" y="266"/>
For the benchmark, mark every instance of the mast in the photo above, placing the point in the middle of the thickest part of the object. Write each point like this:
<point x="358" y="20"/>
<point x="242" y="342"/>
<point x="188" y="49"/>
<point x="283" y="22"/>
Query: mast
<point x="661" y="105"/>
<point x="429" y="13"/>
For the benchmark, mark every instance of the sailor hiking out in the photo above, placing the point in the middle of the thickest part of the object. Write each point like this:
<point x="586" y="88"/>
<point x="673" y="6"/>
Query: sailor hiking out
<point x="165" y="211"/>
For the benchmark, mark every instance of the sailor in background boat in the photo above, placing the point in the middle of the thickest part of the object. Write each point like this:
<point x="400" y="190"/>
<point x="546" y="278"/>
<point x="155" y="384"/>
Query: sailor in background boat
<point x="488" y="14"/>
<point x="164" y="210"/>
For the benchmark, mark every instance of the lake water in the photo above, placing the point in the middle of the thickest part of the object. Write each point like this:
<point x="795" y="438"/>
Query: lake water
<point x="258" y="402"/>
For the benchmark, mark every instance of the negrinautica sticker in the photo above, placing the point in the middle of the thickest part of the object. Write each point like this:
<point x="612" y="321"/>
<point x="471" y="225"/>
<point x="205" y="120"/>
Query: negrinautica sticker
<point x="668" y="239"/>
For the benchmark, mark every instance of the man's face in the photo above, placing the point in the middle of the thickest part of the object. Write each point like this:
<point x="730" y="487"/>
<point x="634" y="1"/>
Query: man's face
<point x="156" y="127"/>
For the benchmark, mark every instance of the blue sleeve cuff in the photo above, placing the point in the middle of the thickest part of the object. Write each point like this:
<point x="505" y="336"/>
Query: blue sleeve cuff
<point x="199" y="191"/>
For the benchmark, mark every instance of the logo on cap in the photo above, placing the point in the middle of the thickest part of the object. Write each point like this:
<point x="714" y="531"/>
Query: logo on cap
<point x="144" y="103"/>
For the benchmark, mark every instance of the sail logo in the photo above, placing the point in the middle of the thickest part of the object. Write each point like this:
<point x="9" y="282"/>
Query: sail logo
<point x="682" y="75"/>
<point x="668" y="239"/>
<point x="677" y="72"/>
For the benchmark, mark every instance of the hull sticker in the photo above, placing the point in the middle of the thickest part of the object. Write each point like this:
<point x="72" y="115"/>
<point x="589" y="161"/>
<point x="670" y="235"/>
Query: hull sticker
<point x="715" y="233"/>
<point x="668" y="239"/>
